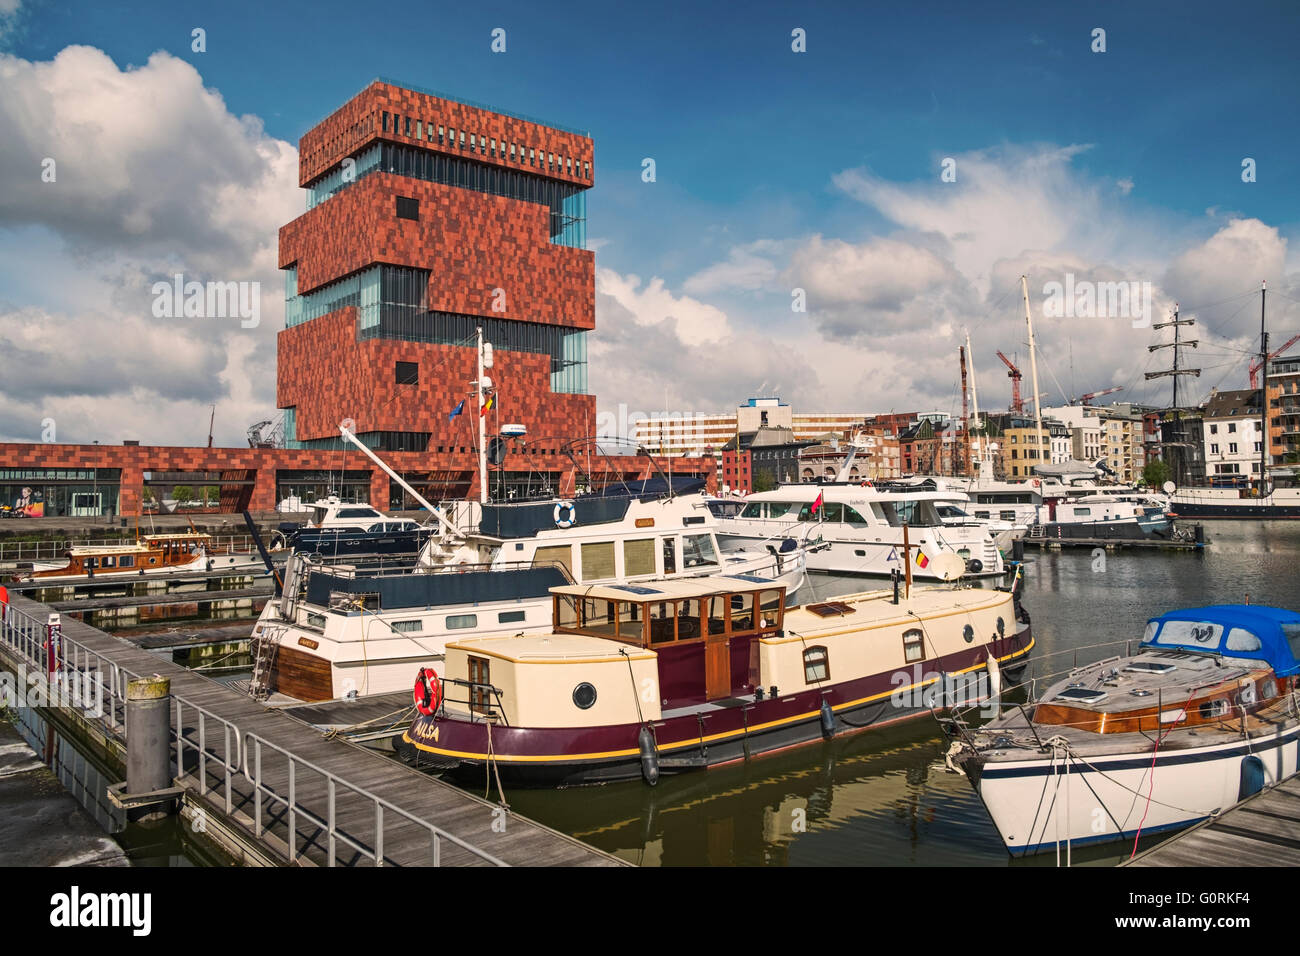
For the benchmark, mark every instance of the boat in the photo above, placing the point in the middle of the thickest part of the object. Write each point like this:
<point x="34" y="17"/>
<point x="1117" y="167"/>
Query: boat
<point x="155" y="554"/>
<point x="344" y="529"/>
<point x="1202" y="715"/>
<point x="1235" y="503"/>
<point x="861" y="528"/>
<point x="345" y="630"/>
<point x="635" y="681"/>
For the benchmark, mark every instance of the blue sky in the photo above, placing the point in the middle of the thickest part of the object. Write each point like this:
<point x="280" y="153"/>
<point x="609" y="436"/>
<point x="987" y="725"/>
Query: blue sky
<point x="765" y="157"/>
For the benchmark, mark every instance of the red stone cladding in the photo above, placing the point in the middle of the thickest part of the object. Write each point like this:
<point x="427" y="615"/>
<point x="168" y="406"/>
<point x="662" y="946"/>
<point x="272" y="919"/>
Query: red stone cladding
<point x="471" y="243"/>
<point x="328" y="375"/>
<point x="359" y="121"/>
<point x="260" y="466"/>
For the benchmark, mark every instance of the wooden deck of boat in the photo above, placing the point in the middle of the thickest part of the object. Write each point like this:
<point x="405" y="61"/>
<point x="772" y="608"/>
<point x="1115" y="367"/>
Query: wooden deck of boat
<point x="508" y="837"/>
<point x="1262" y="830"/>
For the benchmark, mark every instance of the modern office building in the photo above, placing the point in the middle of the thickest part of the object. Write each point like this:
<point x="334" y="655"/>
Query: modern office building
<point x="427" y="218"/>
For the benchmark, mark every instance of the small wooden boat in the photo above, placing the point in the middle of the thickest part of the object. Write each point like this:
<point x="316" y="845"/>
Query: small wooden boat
<point x="1203" y="715"/>
<point x="671" y="676"/>
<point x="154" y="555"/>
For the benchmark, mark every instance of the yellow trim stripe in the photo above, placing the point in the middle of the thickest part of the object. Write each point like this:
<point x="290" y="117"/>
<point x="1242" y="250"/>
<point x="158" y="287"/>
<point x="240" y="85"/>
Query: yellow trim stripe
<point x="685" y="745"/>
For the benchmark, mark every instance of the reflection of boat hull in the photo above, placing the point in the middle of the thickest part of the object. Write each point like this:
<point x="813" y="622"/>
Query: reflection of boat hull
<point x="545" y="757"/>
<point x="1034" y="803"/>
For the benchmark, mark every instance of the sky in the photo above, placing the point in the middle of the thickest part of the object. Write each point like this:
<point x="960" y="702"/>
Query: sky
<point x="826" y="223"/>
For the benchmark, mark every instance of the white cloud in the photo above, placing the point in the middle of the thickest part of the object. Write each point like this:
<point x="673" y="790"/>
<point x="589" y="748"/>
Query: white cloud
<point x="694" y="322"/>
<point x="152" y="176"/>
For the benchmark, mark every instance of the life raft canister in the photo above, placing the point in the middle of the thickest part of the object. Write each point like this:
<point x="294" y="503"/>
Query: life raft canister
<point x="565" y="514"/>
<point x="428" y="691"/>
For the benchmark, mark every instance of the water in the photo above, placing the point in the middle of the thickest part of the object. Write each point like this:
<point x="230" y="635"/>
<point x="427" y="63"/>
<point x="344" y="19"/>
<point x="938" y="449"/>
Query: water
<point x="883" y="797"/>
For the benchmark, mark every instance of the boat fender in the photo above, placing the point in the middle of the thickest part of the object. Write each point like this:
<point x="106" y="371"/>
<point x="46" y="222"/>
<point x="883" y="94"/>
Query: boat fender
<point x="974" y="565"/>
<point x="428" y="691"/>
<point x="565" y="514"/>
<point x="827" y="719"/>
<point x="649" y="756"/>
<point x="995" y="676"/>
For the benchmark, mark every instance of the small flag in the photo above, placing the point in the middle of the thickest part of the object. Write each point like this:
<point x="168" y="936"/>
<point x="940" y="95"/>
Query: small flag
<point x="487" y="406"/>
<point x="457" y="410"/>
<point x="921" y="560"/>
<point x="816" y="506"/>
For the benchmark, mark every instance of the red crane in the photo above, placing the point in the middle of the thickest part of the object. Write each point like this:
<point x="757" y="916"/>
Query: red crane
<point x="1017" y="405"/>
<point x="1083" y="399"/>
<point x="1255" y="365"/>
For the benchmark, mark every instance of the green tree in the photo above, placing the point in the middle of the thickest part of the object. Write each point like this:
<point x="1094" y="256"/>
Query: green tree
<point x="763" y="481"/>
<point x="146" y="495"/>
<point x="1155" y="474"/>
<point x="183" y="494"/>
<point x="211" y="493"/>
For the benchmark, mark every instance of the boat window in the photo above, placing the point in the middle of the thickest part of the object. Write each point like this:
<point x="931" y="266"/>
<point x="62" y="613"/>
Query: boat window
<point x="510" y="617"/>
<point x="109" y="561"/>
<point x="639" y="557"/>
<point x="480" y="677"/>
<point x="630" y="623"/>
<point x="742" y="612"/>
<point x="753" y="510"/>
<point x="1291" y="629"/>
<point x="599" y="617"/>
<point x="597" y="560"/>
<point x="661" y="622"/>
<point x="1240" y="639"/>
<point x="315" y="620"/>
<point x="697" y="550"/>
<point x="1007" y="515"/>
<point x="716" y="607"/>
<point x="357" y="513"/>
<point x="1082" y="695"/>
<point x="1211" y="709"/>
<point x="771" y="605"/>
<point x="780" y="509"/>
<point x="1082" y="511"/>
<point x="458" y="621"/>
<point x="408" y="627"/>
<point x="566" y="611"/>
<point x="816" y="665"/>
<point x="561" y="554"/>
<point x="852" y="517"/>
<point x="670" y="556"/>
<point x="128" y="561"/>
<point x="887" y="513"/>
<point x="688" y="619"/>
<point x="1201" y="635"/>
<point x="913" y="645"/>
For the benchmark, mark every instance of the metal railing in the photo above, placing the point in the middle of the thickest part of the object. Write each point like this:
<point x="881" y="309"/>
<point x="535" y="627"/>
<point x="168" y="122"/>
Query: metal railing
<point x="203" y="739"/>
<point x="12" y="552"/>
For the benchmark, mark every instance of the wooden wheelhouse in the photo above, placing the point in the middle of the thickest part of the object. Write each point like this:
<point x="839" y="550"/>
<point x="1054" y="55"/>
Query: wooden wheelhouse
<point x="706" y="635"/>
<point x="157" y="553"/>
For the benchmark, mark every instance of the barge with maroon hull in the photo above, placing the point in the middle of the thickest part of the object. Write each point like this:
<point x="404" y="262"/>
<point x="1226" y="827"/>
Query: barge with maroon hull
<point x="673" y="676"/>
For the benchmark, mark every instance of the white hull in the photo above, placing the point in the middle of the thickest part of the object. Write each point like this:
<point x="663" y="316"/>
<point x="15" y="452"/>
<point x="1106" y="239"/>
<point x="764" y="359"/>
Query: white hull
<point x="1035" y="804"/>
<point x="877" y="558"/>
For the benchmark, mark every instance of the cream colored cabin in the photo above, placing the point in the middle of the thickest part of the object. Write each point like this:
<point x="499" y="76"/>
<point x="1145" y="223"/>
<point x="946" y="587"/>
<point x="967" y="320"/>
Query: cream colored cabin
<point x="623" y="654"/>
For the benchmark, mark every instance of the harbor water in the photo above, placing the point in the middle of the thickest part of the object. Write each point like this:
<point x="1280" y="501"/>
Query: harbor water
<point x="883" y="797"/>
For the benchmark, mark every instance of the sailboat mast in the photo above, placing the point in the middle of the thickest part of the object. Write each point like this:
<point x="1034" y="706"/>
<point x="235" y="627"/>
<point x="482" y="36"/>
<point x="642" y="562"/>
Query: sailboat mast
<point x="482" y="423"/>
<point x="1263" y="393"/>
<point x="975" y="406"/>
<point x="1033" y="372"/>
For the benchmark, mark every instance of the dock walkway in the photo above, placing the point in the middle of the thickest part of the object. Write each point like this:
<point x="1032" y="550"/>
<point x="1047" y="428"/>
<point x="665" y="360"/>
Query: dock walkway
<point x="1262" y="830"/>
<point x="277" y="786"/>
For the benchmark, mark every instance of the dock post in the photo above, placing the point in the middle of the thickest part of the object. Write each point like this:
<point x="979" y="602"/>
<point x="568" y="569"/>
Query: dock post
<point x="148" y="793"/>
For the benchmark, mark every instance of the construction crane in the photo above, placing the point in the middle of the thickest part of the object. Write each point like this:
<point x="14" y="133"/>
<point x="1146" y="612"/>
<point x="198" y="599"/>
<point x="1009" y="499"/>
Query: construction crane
<point x="1256" y="364"/>
<point x="1017" y="405"/>
<point x="1084" y="399"/>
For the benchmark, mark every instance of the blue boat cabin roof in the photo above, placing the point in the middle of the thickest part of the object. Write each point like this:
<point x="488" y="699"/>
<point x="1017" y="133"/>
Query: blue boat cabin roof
<point x="1251" y="631"/>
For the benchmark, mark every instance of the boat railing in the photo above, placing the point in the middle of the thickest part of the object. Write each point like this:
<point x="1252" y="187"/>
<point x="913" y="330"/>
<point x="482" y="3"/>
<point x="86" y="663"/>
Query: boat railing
<point x="495" y="712"/>
<point x="412" y="566"/>
<point x="13" y="552"/>
<point x="211" y="753"/>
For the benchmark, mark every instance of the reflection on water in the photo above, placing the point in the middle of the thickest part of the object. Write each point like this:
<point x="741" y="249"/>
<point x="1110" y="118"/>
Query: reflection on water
<point x="165" y="843"/>
<point x="883" y="797"/>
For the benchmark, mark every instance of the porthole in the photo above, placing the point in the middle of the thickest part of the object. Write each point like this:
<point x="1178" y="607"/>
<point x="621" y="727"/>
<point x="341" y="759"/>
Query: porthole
<point x="968" y="633"/>
<point x="584" y="695"/>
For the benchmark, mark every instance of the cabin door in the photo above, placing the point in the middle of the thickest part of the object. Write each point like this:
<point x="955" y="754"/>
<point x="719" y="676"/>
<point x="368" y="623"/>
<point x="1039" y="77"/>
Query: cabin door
<point x="717" y="666"/>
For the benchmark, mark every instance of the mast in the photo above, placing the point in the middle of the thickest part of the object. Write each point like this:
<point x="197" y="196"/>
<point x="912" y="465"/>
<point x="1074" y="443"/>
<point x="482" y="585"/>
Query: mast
<point x="1033" y="372"/>
<point x="482" y="422"/>
<point x="1180" y="441"/>
<point x="965" y="411"/>
<point x="1263" y="394"/>
<point x="975" y="402"/>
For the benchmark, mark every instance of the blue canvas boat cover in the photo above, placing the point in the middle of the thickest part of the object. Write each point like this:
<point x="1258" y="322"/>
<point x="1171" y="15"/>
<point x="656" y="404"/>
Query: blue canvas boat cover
<point x="1249" y="631"/>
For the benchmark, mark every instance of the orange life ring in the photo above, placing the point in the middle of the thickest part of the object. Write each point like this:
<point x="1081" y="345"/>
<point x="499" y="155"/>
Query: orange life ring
<point x="428" y="691"/>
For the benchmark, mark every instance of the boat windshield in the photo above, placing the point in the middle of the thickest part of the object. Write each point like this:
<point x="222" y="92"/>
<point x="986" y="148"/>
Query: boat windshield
<point x="918" y="514"/>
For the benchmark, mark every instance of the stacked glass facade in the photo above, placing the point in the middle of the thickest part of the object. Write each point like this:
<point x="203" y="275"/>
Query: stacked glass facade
<point x="567" y="201"/>
<point x="59" y="492"/>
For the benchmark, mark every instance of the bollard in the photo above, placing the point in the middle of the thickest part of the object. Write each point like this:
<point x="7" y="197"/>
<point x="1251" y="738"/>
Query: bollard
<point x="148" y="735"/>
<point x="1018" y="549"/>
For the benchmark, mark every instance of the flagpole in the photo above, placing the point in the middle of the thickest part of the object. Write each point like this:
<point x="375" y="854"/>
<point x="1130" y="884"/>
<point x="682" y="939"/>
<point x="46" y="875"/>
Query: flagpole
<point x="482" y="425"/>
<point x="907" y="561"/>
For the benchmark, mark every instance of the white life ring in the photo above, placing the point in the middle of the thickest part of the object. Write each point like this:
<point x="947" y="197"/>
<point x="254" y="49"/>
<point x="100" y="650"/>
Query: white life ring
<point x="562" y="521"/>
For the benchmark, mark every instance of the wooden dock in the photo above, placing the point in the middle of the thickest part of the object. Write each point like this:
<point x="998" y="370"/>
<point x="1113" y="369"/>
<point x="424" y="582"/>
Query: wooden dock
<point x="1262" y="830"/>
<point x="274" y="790"/>
<point x="118" y="602"/>
<point x="1111" y="544"/>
